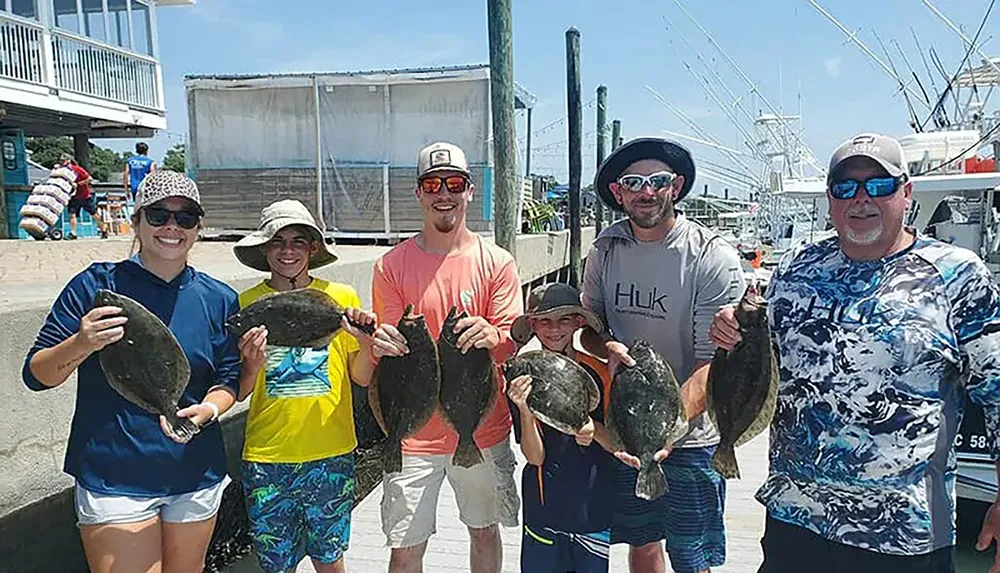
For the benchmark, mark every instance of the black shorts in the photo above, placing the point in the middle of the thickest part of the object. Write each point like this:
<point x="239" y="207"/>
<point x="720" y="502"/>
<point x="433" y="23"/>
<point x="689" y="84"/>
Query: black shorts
<point x="76" y="204"/>
<point x="791" y="549"/>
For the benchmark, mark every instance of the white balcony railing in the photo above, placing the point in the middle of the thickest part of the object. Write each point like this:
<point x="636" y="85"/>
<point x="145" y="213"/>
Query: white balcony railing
<point x="78" y="64"/>
<point x="21" y="51"/>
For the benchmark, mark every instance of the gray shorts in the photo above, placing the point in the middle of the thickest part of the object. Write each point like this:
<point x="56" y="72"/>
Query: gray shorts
<point x="485" y="494"/>
<point x="99" y="509"/>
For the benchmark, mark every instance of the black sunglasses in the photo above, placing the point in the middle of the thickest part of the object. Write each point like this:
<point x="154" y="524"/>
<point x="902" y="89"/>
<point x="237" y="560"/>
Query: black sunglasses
<point x="158" y="217"/>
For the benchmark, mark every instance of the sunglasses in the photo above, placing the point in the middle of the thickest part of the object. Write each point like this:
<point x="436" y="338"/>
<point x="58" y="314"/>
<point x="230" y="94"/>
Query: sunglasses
<point x="656" y="181"/>
<point x="454" y="183"/>
<point x="875" y="187"/>
<point x="158" y="217"/>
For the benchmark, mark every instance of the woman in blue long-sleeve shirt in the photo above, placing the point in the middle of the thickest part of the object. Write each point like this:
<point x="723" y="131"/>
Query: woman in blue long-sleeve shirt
<point x="145" y="499"/>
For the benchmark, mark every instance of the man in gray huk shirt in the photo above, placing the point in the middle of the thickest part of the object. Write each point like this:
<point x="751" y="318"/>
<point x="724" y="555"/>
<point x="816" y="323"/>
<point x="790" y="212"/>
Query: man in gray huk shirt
<point x="662" y="277"/>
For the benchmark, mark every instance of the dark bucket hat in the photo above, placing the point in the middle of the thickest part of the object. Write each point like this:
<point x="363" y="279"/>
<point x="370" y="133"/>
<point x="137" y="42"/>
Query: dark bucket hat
<point x="673" y="154"/>
<point x="552" y="300"/>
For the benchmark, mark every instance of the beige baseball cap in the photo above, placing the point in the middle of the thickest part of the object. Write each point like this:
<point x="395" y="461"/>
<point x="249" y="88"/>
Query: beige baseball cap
<point x="442" y="156"/>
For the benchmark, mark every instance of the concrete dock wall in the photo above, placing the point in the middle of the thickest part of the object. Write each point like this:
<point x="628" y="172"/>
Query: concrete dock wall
<point x="37" y="520"/>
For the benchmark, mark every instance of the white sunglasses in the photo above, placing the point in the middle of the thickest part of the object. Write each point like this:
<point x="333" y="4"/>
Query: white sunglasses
<point x="659" y="180"/>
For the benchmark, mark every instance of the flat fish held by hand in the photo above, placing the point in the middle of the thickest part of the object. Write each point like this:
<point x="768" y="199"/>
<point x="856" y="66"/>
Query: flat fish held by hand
<point x="305" y="318"/>
<point x="743" y="384"/>
<point x="404" y="390"/>
<point x="645" y="413"/>
<point x="562" y="393"/>
<point x="468" y="388"/>
<point x="147" y="366"/>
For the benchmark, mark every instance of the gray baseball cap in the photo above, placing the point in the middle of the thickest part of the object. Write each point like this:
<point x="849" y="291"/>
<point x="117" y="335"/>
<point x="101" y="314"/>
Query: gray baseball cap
<point x="162" y="184"/>
<point x="884" y="149"/>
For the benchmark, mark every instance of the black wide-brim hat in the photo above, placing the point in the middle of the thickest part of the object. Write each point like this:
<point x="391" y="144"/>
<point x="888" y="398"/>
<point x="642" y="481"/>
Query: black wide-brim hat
<point x="673" y="154"/>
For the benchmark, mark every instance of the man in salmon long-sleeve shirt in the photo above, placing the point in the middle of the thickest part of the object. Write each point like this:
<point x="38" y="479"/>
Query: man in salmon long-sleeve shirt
<point x="448" y="265"/>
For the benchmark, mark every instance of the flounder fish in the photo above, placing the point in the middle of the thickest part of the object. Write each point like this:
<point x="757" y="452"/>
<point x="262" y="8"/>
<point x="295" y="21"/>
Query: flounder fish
<point x="404" y="390"/>
<point x="562" y="395"/>
<point x="304" y="317"/>
<point x="743" y="384"/>
<point x="147" y="365"/>
<point x="645" y="413"/>
<point x="468" y="388"/>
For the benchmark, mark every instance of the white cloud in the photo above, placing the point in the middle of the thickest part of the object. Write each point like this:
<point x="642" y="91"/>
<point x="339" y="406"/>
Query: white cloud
<point x="832" y="66"/>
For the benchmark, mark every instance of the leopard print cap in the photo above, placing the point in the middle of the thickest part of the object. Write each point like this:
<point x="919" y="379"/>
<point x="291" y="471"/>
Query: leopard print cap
<point x="163" y="184"/>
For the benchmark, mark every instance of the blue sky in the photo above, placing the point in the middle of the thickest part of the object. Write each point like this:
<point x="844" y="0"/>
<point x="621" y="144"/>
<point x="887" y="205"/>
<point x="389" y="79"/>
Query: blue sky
<point x="790" y="50"/>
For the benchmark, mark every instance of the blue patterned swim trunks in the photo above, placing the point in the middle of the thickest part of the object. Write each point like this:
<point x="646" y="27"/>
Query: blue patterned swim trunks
<point x="299" y="509"/>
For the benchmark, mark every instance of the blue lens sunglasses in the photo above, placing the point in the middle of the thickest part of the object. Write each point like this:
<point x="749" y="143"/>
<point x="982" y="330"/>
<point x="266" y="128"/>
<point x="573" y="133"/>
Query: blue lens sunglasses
<point x="875" y="187"/>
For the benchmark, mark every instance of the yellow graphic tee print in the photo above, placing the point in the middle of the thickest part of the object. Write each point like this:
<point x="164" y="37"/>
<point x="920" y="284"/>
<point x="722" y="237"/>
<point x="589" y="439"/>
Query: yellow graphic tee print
<point x="301" y="408"/>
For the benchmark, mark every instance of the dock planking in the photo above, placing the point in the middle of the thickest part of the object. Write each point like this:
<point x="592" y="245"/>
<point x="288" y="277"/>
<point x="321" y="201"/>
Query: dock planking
<point x="448" y="549"/>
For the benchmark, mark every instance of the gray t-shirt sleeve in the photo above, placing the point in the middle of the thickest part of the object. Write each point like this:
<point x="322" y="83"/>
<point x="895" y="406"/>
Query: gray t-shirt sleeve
<point x="593" y="283"/>
<point x="720" y="282"/>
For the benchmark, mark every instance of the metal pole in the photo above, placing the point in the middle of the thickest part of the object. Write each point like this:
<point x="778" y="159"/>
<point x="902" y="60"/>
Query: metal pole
<point x="319" y="158"/>
<point x="602" y="104"/>
<point x="502" y="104"/>
<point x="3" y="205"/>
<point x="527" y="150"/>
<point x="575" y="160"/>
<point x="616" y="140"/>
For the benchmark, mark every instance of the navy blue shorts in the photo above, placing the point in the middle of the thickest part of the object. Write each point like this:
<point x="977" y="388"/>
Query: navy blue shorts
<point x="545" y="550"/>
<point x="76" y="205"/>
<point x="689" y="516"/>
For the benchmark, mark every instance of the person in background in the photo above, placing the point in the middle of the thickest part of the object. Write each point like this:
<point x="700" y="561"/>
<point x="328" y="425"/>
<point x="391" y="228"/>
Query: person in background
<point x="881" y="333"/>
<point x="565" y="485"/>
<point x="446" y="265"/>
<point x="145" y="500"/>
<point x="298" y="455"/>
<point x="137" y="167"/>
<point x="82" y="199"/>
<point x="660" y="276"/>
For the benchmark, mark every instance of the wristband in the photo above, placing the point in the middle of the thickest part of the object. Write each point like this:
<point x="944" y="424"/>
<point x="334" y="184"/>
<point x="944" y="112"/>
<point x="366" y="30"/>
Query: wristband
<point x="215" y="410"/>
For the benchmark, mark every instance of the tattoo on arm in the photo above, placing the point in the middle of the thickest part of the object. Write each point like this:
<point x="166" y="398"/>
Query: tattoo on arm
<point x="71" y="364"/>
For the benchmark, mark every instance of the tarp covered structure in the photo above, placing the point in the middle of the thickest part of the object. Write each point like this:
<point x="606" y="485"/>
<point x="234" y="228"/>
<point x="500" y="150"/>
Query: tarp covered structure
<point x="256" y="139"/>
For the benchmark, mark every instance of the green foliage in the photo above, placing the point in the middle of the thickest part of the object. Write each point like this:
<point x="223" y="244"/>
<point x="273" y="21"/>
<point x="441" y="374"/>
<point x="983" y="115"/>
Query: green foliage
<point x="104" y="163"/>
<point x="174" y="160"/>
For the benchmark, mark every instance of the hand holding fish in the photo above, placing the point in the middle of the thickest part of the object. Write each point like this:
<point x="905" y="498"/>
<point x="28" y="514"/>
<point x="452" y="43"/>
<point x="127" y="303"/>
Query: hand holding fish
<point x="388" y="341"/>
<point x="358" y="316"/>
<point x="200" y="414"/>
<point x="251" y="347"/>
<point x="725" y="330"/>
<point x="990" y="531"/>
<point x="518" y="391"/>
<point x="96" y="332"/>
<point x="617" y="354"/>
<point x="628" y="459"/>
<point x="478" y="334"/>
<point x="586" y="434"/>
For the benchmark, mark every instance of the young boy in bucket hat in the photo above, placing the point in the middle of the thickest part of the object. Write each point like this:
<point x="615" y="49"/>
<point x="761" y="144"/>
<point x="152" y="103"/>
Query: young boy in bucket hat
<point x="298" y="458"/>
<point x="564" y="487"/>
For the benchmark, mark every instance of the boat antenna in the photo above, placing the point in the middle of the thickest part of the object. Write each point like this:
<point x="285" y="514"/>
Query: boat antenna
<point x="853" y="38"/>
<point x="914" y="120"/>
<point x="971" y="46"/>
<point x="810" y="158"/>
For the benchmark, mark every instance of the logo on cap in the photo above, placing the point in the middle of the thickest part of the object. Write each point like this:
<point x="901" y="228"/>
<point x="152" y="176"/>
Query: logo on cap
<point x="864" y="139"/>
<point x="441" y="157"/>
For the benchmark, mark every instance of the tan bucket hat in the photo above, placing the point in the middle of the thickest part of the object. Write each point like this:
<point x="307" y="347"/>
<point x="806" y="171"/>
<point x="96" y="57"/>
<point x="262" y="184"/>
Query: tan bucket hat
<point x="273" y="218"/>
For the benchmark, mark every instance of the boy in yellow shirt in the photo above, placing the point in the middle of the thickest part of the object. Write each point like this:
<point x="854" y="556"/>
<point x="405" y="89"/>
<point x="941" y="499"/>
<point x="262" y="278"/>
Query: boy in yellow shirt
<point x="298" y="457"/>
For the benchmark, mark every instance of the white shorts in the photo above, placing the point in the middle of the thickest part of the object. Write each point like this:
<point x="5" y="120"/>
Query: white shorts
<point x="485" y="493"/>
<point x="99" y="509"/>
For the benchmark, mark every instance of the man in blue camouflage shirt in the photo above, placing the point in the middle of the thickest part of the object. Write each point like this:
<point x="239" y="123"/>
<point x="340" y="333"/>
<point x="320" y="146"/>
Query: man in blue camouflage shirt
<point x="881" y="333"/>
